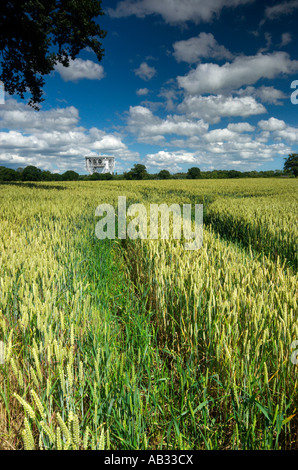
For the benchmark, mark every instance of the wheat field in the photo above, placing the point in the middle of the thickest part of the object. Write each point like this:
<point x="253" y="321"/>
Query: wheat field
<point x="140" y="344"/>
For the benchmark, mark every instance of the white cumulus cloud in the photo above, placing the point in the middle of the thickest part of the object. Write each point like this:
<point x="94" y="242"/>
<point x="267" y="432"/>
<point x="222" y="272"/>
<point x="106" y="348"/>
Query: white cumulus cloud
<point x="281" y="9"/>
<point x="244" y="70"/>
<point x="142" y="122"/>
<point x="169" y="160"/>
<point x="272" y="124"/>
<point x="267" y="94"/>
<point x="145" y="72"/>
<point x="202" y="46"/>
<point x="142" y="91"/>
<point x="213" y="107"/>
<point x="241" y="127"/>
<point x="286" y="38"/>
<point x="79" y="69"/>
<point x="174" y="11"/>
<point x="19" y="116"/>
<point x="280" y="130"/>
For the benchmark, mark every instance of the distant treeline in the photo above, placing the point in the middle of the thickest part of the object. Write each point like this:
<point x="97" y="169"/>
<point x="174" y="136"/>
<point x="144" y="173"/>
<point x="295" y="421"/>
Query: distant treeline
<point x="138" y="172"/>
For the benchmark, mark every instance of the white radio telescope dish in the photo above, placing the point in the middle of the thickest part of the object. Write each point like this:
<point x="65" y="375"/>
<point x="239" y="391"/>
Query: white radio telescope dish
<point x="100" y="164"/>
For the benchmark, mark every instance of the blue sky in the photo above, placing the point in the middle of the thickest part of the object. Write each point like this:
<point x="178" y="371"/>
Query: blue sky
<point x="183" y="83"/>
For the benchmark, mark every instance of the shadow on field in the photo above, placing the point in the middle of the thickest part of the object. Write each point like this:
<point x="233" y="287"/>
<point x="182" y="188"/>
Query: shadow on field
<point x="32" y="185"/>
